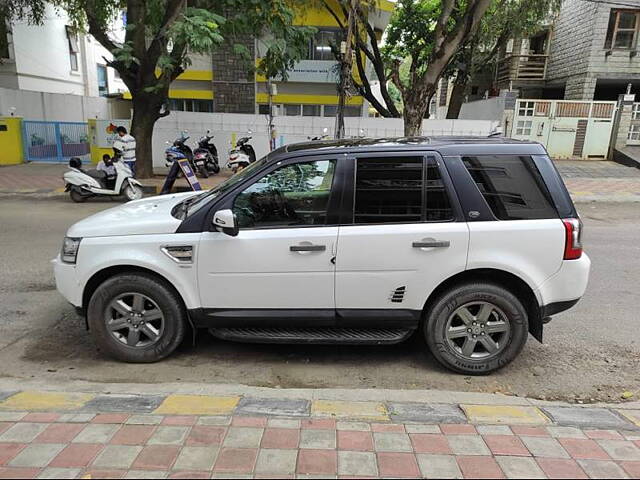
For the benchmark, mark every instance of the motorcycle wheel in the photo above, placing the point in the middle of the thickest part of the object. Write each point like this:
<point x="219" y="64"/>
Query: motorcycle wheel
<point x="132" y="192"/>
<point x="204" y="172"/>
<point x="77" y="196"/>
<point x="215" y="169"/>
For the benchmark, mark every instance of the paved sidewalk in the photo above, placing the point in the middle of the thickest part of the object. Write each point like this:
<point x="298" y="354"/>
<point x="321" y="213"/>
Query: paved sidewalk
<point x="586" y="180"/>
<point x="97" y="435"/>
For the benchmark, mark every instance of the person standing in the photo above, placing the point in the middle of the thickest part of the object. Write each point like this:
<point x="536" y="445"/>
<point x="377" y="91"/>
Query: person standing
<point x="127" y="145"/>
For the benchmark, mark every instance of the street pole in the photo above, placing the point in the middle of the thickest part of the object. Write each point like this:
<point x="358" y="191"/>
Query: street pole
<point x="272" y="140"/>
<point x="345" y="71"/>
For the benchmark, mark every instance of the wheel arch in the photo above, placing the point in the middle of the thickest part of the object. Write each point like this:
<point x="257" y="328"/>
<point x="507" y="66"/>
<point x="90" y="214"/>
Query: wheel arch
<point x="506" y="280"/>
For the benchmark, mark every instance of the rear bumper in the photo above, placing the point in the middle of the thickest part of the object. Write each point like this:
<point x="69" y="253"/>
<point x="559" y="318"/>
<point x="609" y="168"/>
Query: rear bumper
<point x="557" y="307"/>
<point x="567" y="285"/>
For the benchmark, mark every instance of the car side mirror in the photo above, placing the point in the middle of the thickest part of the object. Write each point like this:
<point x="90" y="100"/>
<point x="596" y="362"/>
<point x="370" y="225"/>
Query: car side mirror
<point x="226" y="222"/>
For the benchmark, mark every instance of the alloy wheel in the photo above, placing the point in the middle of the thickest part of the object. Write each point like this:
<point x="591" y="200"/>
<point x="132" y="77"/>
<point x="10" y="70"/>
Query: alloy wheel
<point x="134" y="320"/>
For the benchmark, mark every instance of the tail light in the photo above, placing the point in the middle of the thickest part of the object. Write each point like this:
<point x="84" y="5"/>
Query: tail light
<point x="573" y="243"/>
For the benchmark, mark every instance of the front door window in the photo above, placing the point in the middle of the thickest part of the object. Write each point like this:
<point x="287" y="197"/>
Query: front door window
<point x="292" y="196"/>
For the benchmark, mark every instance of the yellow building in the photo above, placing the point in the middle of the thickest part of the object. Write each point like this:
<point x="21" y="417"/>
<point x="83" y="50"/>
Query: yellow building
<point x="220" y="82"/>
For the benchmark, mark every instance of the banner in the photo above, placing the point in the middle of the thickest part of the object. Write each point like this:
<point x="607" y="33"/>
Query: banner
<point x="189" y="174"/>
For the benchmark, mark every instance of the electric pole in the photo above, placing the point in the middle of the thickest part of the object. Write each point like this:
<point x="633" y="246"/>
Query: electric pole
<point x="345" y="71"/>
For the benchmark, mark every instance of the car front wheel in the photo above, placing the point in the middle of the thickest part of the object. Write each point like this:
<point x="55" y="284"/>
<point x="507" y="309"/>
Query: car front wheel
<point x="136" y="318"/>
<point x="476" y="328"/>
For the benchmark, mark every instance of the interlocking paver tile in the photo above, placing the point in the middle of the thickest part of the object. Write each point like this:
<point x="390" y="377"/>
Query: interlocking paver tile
<point x="256" y="422"/>
<point x="561" y="468"/>
<point x="479" y="467"/>
<point x="276" y="461"/>
<point x="169" y="436"/>
<point x="392" y="442"/>
<point x="116" y="457"/>
<point x="583" y="449"/>
<point x="620" y="449"/>
<point x="180" y="420"/>
<point x="426" y="413"/>
<point x="430" y="443"/>
<point x="241" y="437"/>
<point x="156" y="457"/>
<point x="467" y="445"/>
<point x="12" y="416"/>
<point x="602" y="469"/>
<point x="203" y="435"/>
<point x="41" y="417"/>
<point x="145" y="420"/>
<point x="23" y="432"/>
<point x="62" y="473"/>
<point x="124" y="403"/>
<point x="77" y="455"/>
<point x="4" y="426"/>
<point x="354" y="426"/>
<point x="59" y="433"/>
<point x="16" y="472"/>
<point x="317" y="438"/>
<point x="355" y="440"/>
<point x="462" y="429"/>
<point x="494" y="430"/>
<point x="196" y="458"/>
<point x="96" y="433"/>
<point x="586" y="417"/>
<point x="190" y="475"/>
<point x="387" y="428"/>
<point x="566" y="432"/>
<point x="283" y="423"/>
<point x="544" y="447"/>
<point x="438" y="466"/>
<point x="505" y="445"/>
<point x="632" y="468"/>
<point x="9" y="450"/>
<point x="415" y="428"/>
<point x="76" y="417"/>
<point x="317" y="462"/>
<point x="283" y="438"/>
<point x="214" y="420"/>
<point x="397" y="464"/>
<point x="236" y="460"/>
<point x="318" y="423"/>
<point x="103" y="473"/>
<point x="115" y="418"/>
<point x="357" y="463"/>
<point x="273" y="406"/>
<point x="36" y="455"/>
<point x="146" y="474"/>
<point x="603" y="435"/>
<point x="133" y="435"/>
<point x="530" y="431"/>
<point x="505" y="414"/>
<point x="520" y="467"/>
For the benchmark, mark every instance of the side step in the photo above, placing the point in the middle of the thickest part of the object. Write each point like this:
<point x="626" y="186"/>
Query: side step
<point x="345" y="336"/>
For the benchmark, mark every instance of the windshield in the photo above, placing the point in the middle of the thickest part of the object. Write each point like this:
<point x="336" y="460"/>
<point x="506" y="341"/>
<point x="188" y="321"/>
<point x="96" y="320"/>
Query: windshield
<point x="197" y="202"/>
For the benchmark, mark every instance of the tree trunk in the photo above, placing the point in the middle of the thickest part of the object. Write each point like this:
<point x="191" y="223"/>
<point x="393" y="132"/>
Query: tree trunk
<point x="146" y="111"/>
<point x="456" y="99"/>
<point x="415" y="109"/>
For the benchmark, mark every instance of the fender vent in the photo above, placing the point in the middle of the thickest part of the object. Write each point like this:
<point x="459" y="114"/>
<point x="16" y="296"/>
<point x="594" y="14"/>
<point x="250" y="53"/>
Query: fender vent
<point x="398" y="295"/>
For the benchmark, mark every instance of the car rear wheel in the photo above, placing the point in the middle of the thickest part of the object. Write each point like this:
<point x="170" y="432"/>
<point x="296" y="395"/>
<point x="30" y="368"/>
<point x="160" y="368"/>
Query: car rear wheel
<point x="136" y="318"/>
<point x="476" y="328"/>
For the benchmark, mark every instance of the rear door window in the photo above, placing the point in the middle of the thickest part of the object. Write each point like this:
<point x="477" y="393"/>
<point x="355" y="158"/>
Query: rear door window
<point x="512" y="186"/>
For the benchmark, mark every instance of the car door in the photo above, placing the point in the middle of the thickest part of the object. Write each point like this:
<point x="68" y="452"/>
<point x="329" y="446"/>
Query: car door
<point x="403" y="238"/>
<point x="281" y="258"/>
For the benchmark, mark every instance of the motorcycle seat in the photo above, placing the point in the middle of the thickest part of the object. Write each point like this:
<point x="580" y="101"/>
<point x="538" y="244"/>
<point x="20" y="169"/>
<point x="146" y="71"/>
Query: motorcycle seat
<point x="99" y="175"/>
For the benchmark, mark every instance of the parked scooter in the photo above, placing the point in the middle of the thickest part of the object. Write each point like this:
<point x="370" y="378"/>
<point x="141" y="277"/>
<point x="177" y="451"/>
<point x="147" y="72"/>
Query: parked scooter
<point x="83" y="184"/>
<point x="208" y="153"/>
<point x="324" y="135"/>
<point x="180" y="149"/>
<point x="242" y="154"/>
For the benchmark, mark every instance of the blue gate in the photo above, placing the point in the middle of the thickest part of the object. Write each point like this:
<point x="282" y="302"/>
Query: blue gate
<point x="55" y="141"/>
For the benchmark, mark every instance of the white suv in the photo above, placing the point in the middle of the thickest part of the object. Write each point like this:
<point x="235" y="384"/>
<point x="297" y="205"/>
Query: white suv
<point x="473" y="242"/>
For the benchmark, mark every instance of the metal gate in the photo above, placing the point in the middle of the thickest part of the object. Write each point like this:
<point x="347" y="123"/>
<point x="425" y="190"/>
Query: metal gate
<point x="55" y="141"/>
<point x="566" y="128"/>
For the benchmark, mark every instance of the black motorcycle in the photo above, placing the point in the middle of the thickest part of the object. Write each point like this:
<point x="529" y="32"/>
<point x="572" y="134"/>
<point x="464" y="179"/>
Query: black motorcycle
<point x="206" y="154"/>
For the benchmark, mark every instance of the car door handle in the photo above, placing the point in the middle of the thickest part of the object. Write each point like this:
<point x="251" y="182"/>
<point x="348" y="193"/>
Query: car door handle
<point x="307" y="248"/>
<point x="432" y="244"/>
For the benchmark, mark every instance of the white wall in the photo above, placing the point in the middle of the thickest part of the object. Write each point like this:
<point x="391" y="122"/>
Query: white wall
<point x="489" y="109"/>
<point x="291" y="129"/>
<point x="53" y="106"/>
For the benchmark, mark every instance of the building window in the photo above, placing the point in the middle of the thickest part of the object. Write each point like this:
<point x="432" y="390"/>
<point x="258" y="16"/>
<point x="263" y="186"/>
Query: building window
<point x="523" y="127"/>
<point x="311" y="110"/>
<point x="635" y="113"/>
<point x="103" y="81"/>
<point x="623" y="29"/>
<point x="330" y="110"/>
<point x="263" y="109"/>
<point x="321" y="43"/>
<point x="526" y="109"/>
<point x="292" y="110"/>
<point x="190" y="105"/>
<point x="634" y="132"/>
<point x="72" y="39"/>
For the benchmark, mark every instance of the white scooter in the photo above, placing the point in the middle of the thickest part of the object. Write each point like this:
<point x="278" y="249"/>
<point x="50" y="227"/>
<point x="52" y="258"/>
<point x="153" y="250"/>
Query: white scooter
<point x="82" y="184"/>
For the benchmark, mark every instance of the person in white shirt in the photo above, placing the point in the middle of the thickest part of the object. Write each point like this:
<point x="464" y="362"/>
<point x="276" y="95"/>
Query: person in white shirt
<point x="127" y="145"/>
<point x="106" y="165"/>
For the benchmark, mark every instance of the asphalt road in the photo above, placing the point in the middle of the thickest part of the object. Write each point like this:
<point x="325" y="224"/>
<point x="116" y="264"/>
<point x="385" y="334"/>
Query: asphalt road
<point x="590" y="353"/>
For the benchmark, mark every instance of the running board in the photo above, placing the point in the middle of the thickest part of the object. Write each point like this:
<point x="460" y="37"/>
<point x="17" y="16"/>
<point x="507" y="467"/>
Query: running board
<point x="344" y="336"/>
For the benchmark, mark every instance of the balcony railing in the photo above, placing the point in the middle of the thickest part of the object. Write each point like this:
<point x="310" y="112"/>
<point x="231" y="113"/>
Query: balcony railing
<point x="522" y="68"/>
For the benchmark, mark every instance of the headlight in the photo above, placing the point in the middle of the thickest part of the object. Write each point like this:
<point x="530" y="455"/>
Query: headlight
<point x="70" y="247"/>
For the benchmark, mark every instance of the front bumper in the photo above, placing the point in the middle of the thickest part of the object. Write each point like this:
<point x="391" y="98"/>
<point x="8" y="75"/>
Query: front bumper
<point x="66" y="281"/>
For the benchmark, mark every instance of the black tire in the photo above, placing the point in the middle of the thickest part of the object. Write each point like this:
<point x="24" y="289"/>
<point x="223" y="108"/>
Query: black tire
<point x="77" y="197"/>
<point x="437" y="316"/>
<point x="167" y="300"/>
<point x="204" y="172"/>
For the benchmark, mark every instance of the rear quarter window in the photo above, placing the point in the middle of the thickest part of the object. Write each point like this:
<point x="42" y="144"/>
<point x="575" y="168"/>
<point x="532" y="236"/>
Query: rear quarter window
<point x="512" y="186"/>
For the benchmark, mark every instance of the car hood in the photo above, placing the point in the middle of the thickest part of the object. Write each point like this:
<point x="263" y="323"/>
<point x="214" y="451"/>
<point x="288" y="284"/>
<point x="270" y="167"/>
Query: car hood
<point x="139" y="217"/>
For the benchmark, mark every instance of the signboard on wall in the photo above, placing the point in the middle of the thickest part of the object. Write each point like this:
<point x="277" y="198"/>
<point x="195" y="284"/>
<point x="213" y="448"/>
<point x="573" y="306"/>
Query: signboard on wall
<point x="314" y="71"/>
<point x="105" y="133"/>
